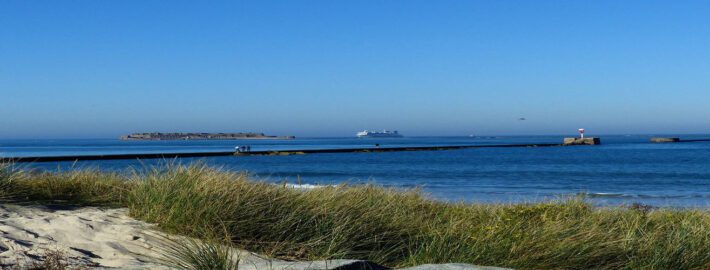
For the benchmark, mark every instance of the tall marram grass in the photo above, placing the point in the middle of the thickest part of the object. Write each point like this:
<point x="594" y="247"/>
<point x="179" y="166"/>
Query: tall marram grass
<point x="80" y="187"/>
<point x="395" y="228"/>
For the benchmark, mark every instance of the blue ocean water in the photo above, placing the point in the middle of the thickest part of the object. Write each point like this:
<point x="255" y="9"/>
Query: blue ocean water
<point x="623" y="170"/>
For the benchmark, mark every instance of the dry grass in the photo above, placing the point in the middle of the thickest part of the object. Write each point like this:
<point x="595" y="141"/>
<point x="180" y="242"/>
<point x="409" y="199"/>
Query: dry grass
<point x="390" y="227"/>
<point x="49" y="260"/>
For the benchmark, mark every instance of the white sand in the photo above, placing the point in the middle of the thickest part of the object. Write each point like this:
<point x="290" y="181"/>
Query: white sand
<point x="88" y="236"/>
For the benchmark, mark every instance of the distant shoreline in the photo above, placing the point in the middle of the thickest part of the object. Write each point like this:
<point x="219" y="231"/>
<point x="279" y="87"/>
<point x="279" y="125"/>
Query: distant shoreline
<point x="177" y="136"/>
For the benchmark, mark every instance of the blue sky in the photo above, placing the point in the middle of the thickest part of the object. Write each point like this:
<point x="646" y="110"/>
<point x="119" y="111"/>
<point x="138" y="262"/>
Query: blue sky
<point x="78" y="69"/>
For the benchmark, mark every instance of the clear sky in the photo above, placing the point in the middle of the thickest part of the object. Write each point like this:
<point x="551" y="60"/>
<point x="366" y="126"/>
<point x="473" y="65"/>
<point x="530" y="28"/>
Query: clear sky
<point x="93" y="69"/>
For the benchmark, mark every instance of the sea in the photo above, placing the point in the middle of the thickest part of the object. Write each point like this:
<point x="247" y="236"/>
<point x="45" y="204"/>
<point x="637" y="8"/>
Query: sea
<point x="623" y="170"/>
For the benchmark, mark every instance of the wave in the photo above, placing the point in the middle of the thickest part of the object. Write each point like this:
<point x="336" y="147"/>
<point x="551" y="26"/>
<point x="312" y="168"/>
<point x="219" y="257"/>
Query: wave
<point x="304" y="186"/>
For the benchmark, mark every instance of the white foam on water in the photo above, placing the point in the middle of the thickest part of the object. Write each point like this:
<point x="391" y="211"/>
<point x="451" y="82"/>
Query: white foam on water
<point x="304" y="186"/>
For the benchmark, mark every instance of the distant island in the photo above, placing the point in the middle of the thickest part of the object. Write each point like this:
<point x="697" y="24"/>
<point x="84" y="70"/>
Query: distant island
<point x="202" y="136"/>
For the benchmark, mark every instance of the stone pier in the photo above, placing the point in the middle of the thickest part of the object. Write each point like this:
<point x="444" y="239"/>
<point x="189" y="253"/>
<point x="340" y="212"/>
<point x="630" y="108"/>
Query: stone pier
<point x="582" y="141"/>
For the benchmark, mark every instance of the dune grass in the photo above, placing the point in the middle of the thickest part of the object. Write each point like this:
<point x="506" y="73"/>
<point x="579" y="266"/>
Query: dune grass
<point x="390" y="227"/>
<point x="193" y="254"/>
<point x="80" y="187"/>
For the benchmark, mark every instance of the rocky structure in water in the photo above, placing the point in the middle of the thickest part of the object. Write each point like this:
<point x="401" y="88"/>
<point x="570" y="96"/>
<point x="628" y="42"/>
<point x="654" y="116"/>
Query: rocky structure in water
<point x="665" y="140"/>
<point x="202" y="136"/>
<point x="582" y="141"/>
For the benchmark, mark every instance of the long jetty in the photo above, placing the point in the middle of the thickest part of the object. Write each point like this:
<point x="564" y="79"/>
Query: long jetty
<point x="260" y="153"/>
<point x="696" y="140"/>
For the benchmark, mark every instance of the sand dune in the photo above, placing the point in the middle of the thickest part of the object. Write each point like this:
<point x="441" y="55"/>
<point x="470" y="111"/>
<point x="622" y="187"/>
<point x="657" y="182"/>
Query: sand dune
<point x="109" y="238"/>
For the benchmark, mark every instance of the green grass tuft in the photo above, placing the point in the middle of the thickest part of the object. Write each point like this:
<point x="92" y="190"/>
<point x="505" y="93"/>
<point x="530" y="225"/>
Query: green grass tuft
<point x="8" y="176"/>
<point x="191" y="254"/>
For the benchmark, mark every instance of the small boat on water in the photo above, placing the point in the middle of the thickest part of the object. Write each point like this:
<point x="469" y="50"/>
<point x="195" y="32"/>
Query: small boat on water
<point x="378" y="134"/>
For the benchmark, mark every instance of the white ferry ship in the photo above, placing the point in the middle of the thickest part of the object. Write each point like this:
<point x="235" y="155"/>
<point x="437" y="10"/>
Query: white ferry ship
<point x="378" y="134"/>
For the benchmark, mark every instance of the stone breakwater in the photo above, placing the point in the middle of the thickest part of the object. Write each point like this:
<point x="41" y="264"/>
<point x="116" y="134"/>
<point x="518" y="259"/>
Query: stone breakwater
<point x="582" y="141"/>
<point x="201" y="136"/>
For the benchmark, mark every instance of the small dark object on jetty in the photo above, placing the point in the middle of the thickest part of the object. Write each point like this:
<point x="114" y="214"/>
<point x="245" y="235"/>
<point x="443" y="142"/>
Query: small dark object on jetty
<point x="665" y="140"/>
